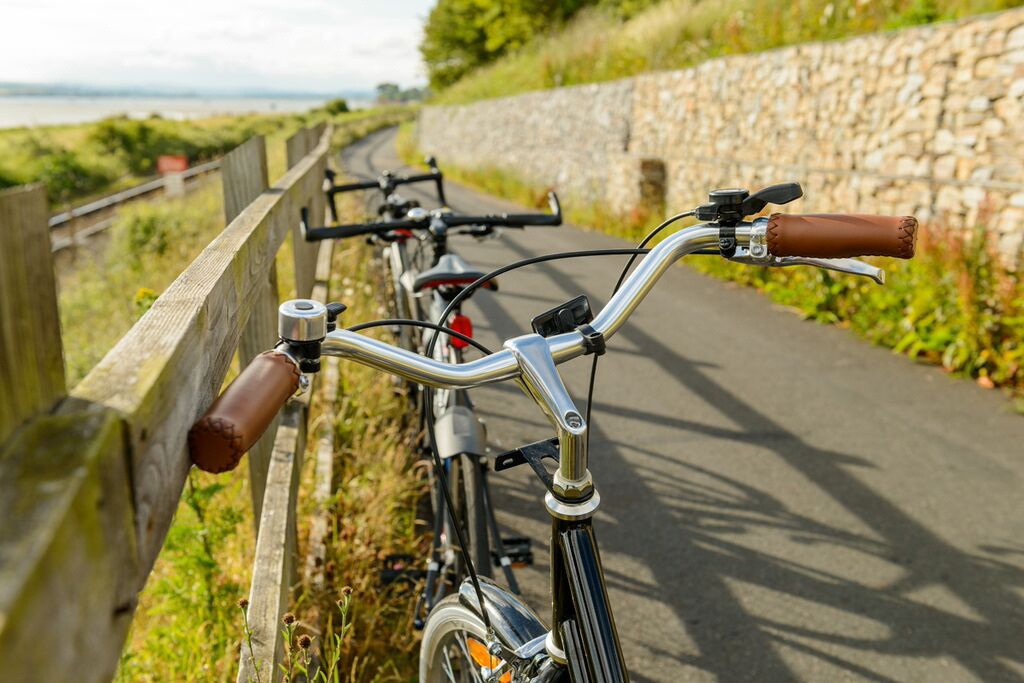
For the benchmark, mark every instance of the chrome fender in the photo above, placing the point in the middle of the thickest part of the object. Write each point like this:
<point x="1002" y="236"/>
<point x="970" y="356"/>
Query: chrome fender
<point x="514" y="623"/>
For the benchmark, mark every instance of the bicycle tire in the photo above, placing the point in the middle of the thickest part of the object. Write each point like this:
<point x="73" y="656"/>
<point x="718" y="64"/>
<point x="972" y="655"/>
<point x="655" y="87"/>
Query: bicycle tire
<point x="448" y="622"/>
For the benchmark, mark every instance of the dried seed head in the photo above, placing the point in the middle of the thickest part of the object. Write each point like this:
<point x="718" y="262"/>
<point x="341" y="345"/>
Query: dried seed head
<point x="288" y="619"/>
<point x="305" y="641"/>
<point x="346" y="591"/>
<point x="243" y="603"/>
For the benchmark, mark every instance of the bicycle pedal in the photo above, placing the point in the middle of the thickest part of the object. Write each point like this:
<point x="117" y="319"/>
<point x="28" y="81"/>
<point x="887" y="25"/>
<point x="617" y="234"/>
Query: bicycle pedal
<point x="400" y="569"/>
<point x="518" y="550"/>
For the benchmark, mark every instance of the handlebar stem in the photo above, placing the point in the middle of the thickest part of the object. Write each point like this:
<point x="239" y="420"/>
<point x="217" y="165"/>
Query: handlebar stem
<point x="540" y="380"/>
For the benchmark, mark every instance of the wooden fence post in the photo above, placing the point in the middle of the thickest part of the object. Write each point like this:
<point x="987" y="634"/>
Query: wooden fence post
<point x="323" y="485"/>
<point x="31" y="353"/>
<point x="304" y="252"/>
<point x="89" y="486"/>
<point x="244" y="178"/>
<point x="67" y="537"/>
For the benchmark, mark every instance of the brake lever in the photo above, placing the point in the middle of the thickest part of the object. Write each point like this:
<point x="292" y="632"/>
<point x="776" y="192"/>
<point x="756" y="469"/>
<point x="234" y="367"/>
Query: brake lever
<point x="839" y="265"/>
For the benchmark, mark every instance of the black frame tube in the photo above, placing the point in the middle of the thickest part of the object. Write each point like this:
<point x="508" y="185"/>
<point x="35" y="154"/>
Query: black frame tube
<point x="579" y="600"/>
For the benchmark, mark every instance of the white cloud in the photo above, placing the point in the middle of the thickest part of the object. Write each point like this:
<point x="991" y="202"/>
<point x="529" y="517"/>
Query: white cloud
<point x="213" y="44"/>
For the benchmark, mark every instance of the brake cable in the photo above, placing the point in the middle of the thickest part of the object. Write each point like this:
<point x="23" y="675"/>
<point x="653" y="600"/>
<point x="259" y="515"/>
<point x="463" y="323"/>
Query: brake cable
<point x="392" y="322"/>
<point x="428" y="393"/>
<point x="438" y="328"/>
<point x="622" y="277"/>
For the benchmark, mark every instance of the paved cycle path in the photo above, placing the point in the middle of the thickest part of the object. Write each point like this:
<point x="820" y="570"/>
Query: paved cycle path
<point x="781" y="501"/>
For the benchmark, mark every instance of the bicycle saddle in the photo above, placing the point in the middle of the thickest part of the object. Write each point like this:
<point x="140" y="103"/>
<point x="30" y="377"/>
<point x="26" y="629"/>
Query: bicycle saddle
<point x="451" y="270"/>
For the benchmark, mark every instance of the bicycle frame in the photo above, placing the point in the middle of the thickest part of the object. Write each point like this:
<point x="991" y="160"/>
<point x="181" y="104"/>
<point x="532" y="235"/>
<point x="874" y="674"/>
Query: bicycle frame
<point x="583" y="636"/>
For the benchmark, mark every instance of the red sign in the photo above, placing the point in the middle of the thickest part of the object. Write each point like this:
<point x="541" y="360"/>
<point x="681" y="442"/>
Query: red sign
<point x="171" y="164"/>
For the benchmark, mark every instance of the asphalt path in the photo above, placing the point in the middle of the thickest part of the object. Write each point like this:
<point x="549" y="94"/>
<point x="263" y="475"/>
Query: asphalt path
<point x="781" y="501"/>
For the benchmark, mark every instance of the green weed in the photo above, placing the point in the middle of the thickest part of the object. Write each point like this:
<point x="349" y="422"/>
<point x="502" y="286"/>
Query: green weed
<point x="184" y="630"/>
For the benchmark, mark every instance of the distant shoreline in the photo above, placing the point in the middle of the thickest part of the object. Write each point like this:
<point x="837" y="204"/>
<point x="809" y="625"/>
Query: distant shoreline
<point x="18" y="111"/>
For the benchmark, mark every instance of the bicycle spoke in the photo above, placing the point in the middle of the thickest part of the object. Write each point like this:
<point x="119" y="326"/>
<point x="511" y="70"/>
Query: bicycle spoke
<point x="448" y="666"/>
<point x="460" y="638"/>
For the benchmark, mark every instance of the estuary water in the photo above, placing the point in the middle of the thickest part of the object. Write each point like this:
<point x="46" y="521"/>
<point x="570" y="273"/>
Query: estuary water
<point x="44" y="110"/>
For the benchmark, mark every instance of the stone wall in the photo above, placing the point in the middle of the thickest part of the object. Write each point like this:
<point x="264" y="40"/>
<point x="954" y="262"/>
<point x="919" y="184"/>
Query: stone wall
<point x="928" y="121"/>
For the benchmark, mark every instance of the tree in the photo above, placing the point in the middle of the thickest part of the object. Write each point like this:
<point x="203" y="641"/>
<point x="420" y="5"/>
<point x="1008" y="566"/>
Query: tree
<point x="461" y="35"/>
<point x="388" y="92"/>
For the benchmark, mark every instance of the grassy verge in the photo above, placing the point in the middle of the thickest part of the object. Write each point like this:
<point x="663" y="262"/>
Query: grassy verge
<point x="601" y="45"/>
<point x="373" y="510"/>
<point x="955" y="304"/>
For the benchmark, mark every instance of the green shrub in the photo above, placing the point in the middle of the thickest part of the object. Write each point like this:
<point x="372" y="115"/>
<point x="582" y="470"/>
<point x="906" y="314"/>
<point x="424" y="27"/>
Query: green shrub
<point x="954" y="304"/>
<point x="66" y="176"/>
<point x="336" y="106"/>
<point x="7" y="179"/>
<point x="461" y="35"/>
<point x="139" y="143"/>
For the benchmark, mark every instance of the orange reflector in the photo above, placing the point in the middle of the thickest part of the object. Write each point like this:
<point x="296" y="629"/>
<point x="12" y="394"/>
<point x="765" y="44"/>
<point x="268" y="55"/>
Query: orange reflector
<point x="483" y="658"/>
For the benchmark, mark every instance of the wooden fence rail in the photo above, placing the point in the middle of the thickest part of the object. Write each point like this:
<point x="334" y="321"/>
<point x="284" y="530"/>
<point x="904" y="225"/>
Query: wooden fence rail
<point x="89" y="482"/>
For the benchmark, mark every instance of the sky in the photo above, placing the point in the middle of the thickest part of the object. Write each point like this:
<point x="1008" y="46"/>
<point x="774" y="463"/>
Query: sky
<point x="213" y="45"/>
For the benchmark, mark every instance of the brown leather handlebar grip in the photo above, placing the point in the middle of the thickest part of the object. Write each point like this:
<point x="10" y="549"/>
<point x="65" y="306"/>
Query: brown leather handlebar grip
<point x="833" y="235"/>
<point x="243" y="412"/>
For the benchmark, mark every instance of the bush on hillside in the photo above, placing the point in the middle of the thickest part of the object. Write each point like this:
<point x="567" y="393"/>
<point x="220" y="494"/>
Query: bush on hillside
<point x="65" y="176"/>
<point x="336" y="106"/>
<point x="461" y="35"/>
<point x="620" y="38"/>
<point x="139" y="143"/>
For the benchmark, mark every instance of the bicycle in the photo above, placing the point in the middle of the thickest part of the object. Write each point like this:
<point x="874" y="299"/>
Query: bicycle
<point x="455" y="430"/>
<point x="395" y="254"/>
<point x="485" y="633"/>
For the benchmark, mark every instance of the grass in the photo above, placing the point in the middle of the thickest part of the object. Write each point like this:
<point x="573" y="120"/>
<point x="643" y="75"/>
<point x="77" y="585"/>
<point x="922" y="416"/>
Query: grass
<point x="600" y="45"/>
<point x="955" y="304"/>
<point x="376" y="490"/>
<point x="81" y="161"/>
<point x="145" y="251"/>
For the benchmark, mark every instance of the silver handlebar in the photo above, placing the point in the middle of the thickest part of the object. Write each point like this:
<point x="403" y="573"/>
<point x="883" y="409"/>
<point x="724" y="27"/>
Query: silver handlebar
<point x="503" y="365"/>
<point x="531" y="359"/>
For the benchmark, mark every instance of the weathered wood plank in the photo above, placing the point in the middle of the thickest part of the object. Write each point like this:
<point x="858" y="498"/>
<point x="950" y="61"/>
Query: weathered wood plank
<point x="170" y="365"/>
<point x="304" y="253"/>
<point x="31" y="354"/>
<point x="68" y="560"/>
<point x="244" y="178"/>
<point x="246" y="166"/>
<point x="273" y="567"/>
<point x="316" y="554"/>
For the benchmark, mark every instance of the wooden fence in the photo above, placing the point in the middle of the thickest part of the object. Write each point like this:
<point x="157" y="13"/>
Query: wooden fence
<point x="90" y="480"/>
